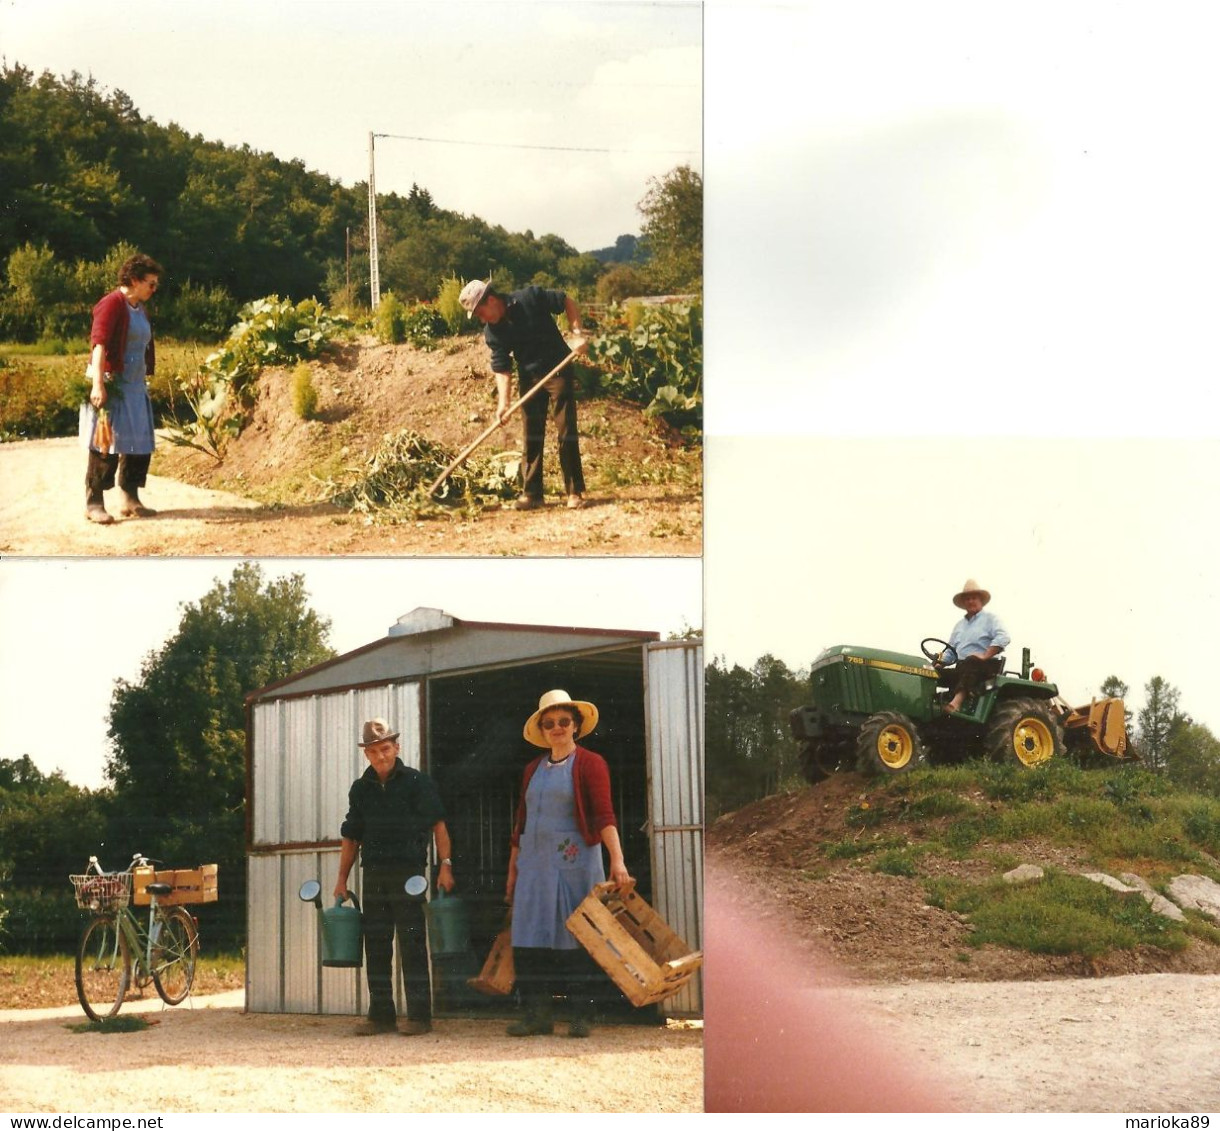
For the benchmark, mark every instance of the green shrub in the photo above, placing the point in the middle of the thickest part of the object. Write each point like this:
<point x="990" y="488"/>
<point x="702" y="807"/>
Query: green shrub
<point x="39" y="401"/>
<point x="653" y="355"/>
<point x="422" y="325"/>
<point x="271" y="331"/>
<point x="389" y="319"/>
<point x="40" y="921"/>
<point x="449" y="308"/>
<point x="304" y="395"/>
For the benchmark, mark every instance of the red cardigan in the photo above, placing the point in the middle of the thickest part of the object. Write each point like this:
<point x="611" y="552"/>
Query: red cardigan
<point x="591" y="782"/>
<point x="110" y="319"/>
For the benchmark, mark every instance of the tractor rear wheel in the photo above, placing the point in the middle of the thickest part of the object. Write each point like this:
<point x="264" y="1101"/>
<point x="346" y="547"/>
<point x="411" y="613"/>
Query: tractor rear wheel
<point x="1026" y="730"/>
<point x="888" y="744"/>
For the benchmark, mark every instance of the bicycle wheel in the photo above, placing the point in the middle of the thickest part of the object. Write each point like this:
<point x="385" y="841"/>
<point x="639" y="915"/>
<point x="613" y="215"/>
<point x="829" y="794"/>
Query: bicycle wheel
<point x="174" y="949"/>
<point x="103" y="968"/>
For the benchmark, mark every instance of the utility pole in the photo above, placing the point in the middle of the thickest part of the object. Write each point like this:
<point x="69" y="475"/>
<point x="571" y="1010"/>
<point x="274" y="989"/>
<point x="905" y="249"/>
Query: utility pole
<point x="374" y="275"/>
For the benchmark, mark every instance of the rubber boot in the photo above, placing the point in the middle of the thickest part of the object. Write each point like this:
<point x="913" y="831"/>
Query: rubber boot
<point x="533" y="983"/>
<point x="132" y="507"/>
<point x="95" y="508"/>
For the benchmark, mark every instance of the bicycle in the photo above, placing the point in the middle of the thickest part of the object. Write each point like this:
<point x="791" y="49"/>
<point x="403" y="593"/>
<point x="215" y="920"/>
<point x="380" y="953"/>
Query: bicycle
<point x="115" y="944"/>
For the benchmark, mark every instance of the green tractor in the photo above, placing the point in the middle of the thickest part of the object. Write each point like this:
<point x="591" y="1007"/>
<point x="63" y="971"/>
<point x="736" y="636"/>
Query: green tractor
<point x="884" y="713"/>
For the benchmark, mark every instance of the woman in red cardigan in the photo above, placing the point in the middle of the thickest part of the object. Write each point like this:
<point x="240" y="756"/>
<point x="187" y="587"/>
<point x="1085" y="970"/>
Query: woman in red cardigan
<point x="118" y="425"/>
<point x="564" y="818"/>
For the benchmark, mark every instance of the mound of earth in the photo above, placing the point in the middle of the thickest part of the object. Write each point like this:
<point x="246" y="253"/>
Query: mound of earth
<point x="644" y="482"/>
<point x="880" y="926"/>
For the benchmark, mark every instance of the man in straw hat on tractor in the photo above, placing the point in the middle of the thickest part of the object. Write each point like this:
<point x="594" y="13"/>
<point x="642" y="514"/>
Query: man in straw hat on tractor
<point x="521" y="326"/>
<point x="976" y="641"/>
<point x="393" y="812"/>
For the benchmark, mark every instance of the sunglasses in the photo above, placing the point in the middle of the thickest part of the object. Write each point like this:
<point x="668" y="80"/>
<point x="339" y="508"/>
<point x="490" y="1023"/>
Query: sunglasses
<point x="551" y="724"/>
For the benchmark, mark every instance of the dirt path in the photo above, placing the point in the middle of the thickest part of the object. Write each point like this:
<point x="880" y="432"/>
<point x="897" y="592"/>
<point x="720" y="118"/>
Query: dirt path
<point x="42" y="514"/>
<point x="1136" y="1043"/>
<point x="215" y="1058"/>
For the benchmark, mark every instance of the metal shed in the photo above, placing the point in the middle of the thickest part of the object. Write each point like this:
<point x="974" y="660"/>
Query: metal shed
<point x="458" y="692"/>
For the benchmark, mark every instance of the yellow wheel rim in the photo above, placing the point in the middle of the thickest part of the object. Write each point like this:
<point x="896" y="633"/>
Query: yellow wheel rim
<point x="1032" y="742"/>
<point x="894" y="747"/>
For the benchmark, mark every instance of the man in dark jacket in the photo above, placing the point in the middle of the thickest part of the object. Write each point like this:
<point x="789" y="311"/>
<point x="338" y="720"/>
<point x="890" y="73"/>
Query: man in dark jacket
<point x="521" y="326"/>
<point x="393" y="812"/>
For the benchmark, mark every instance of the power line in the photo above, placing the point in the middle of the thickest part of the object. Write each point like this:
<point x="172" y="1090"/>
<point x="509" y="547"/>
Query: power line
<point x="513" y="145"/>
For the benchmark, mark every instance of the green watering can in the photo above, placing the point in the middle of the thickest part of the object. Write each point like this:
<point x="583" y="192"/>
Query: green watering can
<point x="341" y="931"/>
<point x="448" y="925"/>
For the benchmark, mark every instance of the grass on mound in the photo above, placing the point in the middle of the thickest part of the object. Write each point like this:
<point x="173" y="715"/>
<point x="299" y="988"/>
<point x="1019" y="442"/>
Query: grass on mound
<point x="1117" y="819"/>
<point x="1059" y="914"/>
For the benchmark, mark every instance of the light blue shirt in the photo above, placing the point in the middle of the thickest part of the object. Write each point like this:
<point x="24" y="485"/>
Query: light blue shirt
<point x="972" y="636"/>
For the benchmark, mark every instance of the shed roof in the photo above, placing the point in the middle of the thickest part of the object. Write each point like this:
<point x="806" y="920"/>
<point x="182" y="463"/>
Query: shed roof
<point x="429" y="641"/>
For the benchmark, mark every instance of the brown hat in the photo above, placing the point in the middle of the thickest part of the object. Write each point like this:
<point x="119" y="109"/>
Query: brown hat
<point x="971" y="587"/>
<point x="557" y="698"/>
<point x="377" y="730"/>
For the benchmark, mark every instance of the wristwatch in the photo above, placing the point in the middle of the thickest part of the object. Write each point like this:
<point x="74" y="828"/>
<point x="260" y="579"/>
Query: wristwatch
<point x="447" y="861"/>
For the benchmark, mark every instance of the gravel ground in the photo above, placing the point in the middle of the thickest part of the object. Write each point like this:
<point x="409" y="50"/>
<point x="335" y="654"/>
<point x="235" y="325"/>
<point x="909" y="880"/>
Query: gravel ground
<point x="210" y="1056"/>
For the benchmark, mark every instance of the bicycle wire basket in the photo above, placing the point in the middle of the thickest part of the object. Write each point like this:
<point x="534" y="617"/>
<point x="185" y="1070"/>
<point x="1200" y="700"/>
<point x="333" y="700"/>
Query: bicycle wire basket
<point x="102" y="893"/>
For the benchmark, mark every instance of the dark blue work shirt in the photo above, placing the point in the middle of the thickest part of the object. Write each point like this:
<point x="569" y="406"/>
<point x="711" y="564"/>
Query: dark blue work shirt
<point x="528" y="333"/>
<point x="393" y="820"/>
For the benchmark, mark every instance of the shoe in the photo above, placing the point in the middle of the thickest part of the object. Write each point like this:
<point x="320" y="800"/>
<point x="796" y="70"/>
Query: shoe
<point x="575" y="502"/>
<point x="414" y="1028"/>
<point x="527" y="503"/>
<point x="133" y="508"/>
<point x="373" y="1028"/>
<point x="530" y="1026"/>
<point x="98" y="513"/>
<point x="579" y="1027"/>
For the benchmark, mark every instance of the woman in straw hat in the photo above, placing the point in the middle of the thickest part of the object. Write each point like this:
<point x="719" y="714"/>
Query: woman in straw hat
<point x="564" y="817"/>
<point x="977" y="641"/>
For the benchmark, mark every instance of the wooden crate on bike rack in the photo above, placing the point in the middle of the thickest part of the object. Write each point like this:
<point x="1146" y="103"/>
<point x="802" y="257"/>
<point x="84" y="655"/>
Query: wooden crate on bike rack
<point x="191" y="885"/>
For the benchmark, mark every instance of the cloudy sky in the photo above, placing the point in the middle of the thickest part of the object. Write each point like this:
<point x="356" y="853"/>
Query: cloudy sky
<point x="310" y="79"/>
<point x="963" y="218"/>
<point x="56" y="679"/>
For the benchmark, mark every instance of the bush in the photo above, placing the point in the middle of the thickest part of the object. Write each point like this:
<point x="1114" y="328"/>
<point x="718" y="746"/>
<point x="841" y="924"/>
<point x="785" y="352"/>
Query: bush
<point x="38" y="401"/>
<point x="40" y="921"/>
<point x="304" y="395"/>
<point x="449" y="308"/>
<point x="423" y="326"/>
<point x="653" y="355"/>
<point x="198" y="312"/>
<point x="389" y="319"/>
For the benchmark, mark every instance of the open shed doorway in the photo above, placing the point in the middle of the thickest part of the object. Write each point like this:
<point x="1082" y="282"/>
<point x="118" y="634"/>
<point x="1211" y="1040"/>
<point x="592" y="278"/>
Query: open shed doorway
<point x="476" y="753"/>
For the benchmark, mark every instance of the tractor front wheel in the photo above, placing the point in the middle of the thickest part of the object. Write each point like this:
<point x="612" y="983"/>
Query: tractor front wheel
<point x="821" y="757"/>
<point x="888" y="744"/>
<point x="1026" y="730"/>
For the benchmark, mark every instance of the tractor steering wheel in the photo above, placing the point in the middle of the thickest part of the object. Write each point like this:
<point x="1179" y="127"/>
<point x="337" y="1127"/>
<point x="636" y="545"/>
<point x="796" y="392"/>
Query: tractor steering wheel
<point x="941" y="657"/>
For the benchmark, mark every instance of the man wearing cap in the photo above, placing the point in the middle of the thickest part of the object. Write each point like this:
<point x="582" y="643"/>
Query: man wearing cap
<point x="977" y="641"/>
<point x="521" y="326"/>
<point x="393" y="812"/>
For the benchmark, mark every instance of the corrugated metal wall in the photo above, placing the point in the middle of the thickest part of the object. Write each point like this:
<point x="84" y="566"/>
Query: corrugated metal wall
<point x="305" y="760"/>
<point x="674" y="726"/>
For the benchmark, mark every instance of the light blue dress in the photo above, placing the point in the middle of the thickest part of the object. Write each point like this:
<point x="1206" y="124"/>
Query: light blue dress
<point x="555" y="868"/>
<point x="127" y="400"/>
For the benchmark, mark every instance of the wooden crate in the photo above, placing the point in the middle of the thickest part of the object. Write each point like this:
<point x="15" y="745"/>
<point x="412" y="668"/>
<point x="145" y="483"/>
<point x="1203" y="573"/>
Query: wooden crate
<point x="191" y="885"/>
<point x="633" y="944"/>
<point x="498" y="974"/>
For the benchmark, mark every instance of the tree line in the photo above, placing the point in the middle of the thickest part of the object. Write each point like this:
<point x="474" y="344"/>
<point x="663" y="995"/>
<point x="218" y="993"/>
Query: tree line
<point x="87" y="178"/>
<point x="750" y="752"/>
